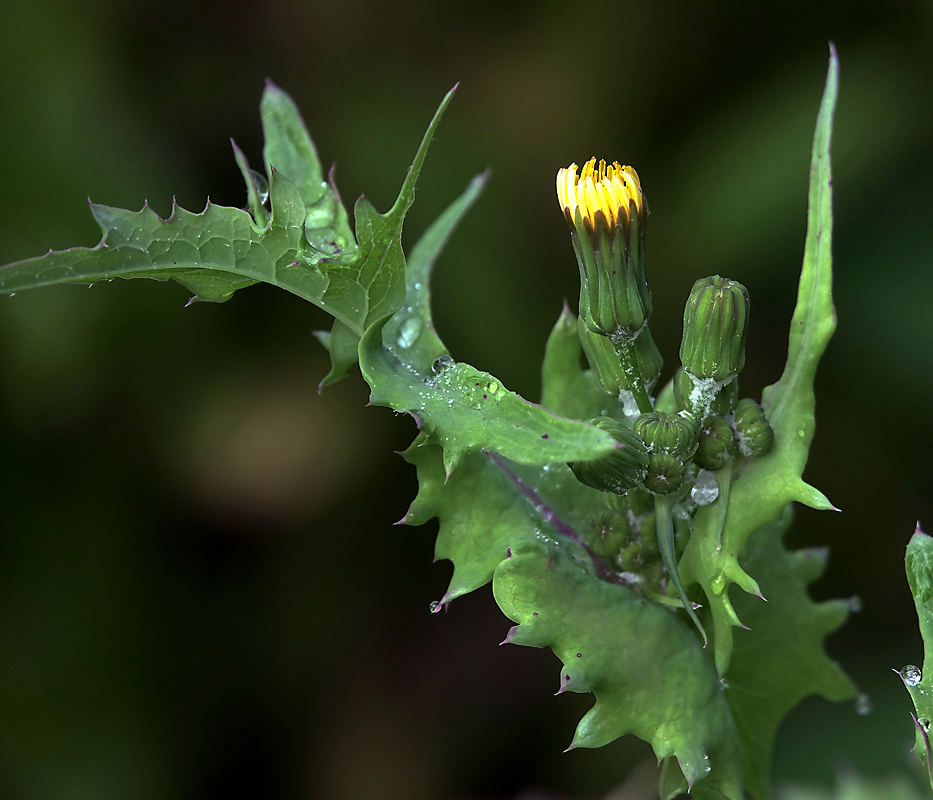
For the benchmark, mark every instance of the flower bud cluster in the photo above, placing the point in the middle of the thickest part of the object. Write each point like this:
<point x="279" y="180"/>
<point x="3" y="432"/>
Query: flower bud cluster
<point x="671" y="439"/>
<point x="607" y="213"/>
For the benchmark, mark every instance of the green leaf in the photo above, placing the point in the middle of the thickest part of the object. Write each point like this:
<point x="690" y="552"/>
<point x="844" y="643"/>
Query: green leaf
<point x="465" y="410"/>
<point x="645" y="667"/>
<point x="254" y="202"/>
<point x="412" y="324"/>
<point x="919" y="563"/>
<point x="213" y="253"/>
<point x="566" y="388"/>
<point x="476" y="536"/>
<point x="343" y="344"/>
<point x="781" y="659"/>
<point x="768" y="483"/>
<point x="530" y="531"/>
<point x="223" y="249"/>
<point x="854" y="787"/>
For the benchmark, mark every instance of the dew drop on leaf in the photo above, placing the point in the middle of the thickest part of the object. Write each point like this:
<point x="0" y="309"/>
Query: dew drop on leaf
<point x="408" y="332"/>
<point x="433" y="606"/>
<point x="706" y="490"/>
<point x="261" y="184"/>
<point x="441" y="363"/>
<point x="911" y="675"/>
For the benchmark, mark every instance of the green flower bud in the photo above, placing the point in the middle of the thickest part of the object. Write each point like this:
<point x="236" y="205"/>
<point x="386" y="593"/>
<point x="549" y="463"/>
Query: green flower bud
<point x="752" y="428"/>
<point x="717" y="445"/>
<point x="668" y="434"/>
<point x="622" y="469"/>
<point x="715" y="323"/>
<point x="610" y="534"/>
<point x="665" y="474"/>
<point x="607" y="212"/>
<point x="604" y="361"/>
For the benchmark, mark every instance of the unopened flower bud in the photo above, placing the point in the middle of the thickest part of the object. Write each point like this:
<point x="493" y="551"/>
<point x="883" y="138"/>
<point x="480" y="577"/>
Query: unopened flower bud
<point x="619" y="471"/>
<point x="753" y="429"/>
<point x="665" y="474"/>
<point x="667" y="434"/>
<point x="715" y="323"/>
<point x="610" y="534"/>
<point x="717" y="445"/>
<point x="607" y="212"/>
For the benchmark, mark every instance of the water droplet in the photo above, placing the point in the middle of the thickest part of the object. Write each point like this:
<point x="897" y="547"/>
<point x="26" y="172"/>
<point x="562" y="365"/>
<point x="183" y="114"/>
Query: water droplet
<point x="442" y="362"/>
<point x="706" y="490"/>
<point x="863" y="704"/>
<point x="261" y="185"/>
<point x="724" y="683"/>
<point x="911" y="675"/>
<point x="924" y="723"/>
<point x="855" y="604"/>
<point x="408" y="332"/>
<point x="433" y="606"/>
<point x="493" y="387"/>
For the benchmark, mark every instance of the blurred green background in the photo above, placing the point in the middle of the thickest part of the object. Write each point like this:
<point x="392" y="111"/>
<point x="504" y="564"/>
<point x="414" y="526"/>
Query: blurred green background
<point x="201" y="591"/>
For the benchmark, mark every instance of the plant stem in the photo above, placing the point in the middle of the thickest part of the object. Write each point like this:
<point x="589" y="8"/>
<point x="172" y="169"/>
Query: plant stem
<point x="626" y="354"/>
<point x="664" y="508"/>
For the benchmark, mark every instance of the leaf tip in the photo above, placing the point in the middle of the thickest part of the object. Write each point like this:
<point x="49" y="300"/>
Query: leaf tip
<point x="509" y="636"/>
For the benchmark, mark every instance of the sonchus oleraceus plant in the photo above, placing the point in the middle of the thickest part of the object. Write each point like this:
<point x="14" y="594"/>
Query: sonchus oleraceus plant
<point x="613" y="518"/>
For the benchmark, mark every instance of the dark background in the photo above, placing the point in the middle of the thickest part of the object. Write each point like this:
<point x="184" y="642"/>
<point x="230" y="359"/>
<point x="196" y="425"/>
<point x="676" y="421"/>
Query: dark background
<point x="201" y="592"/>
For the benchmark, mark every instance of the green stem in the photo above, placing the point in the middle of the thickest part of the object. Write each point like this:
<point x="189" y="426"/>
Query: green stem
<point x="626" y="355"/>
<point x="664" y="509"/>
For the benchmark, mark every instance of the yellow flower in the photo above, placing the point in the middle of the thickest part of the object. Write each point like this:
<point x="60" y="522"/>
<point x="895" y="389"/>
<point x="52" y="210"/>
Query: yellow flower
<point x="607" y="212"/>
<point x="605" y="195"/>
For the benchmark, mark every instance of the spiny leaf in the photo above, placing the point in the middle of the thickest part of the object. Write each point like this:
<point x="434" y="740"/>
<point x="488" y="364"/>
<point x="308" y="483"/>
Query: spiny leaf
<point x="781" y="659"/>
<point x="213" y="252"/>
<point x="648" y="672"/>
<point x="343" y="344"/>
<point x="768" y="483"/>
<point x="306" y="249"/>
<point x="476" y="536"/>
<point x="465" y="410"/>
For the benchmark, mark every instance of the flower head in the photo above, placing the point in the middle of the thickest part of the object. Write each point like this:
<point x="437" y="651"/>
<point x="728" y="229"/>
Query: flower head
<point x="606" y="211"/>
<point x="605" y="195"/>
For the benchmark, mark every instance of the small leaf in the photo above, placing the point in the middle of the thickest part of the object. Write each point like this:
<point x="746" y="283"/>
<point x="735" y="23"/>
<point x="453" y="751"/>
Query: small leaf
<point x="781" y="659"/>
<point x="343" y="346"/>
